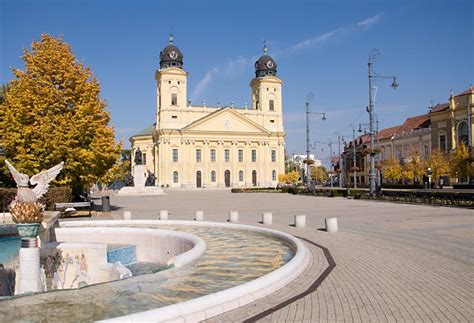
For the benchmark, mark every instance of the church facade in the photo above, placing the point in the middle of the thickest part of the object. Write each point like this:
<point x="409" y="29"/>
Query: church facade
<point x="192" y="146"/>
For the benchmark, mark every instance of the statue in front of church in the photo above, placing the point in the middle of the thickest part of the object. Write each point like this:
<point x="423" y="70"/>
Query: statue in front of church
<point x="138" y="157"/>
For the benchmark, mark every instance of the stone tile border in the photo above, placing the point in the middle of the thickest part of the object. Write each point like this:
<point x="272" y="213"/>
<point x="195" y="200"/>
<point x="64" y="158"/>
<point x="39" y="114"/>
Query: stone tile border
<point x="311" y="288"/>
<point x="208" y="306"/>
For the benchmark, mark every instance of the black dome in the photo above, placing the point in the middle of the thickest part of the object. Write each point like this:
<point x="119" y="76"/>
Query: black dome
<point x="265" y="65"/>
<point x="171" y="56"/>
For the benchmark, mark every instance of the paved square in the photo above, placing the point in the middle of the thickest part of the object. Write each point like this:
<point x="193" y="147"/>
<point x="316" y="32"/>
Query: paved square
<point x="394" y="262"/>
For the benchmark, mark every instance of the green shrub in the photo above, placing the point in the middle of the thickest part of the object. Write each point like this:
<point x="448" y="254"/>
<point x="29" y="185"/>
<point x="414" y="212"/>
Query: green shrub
<point x="60" y="194"/>
<point x="7" y="195"/>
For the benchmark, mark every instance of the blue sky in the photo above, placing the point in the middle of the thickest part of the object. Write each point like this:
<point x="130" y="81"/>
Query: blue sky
<point x="320" y="47"/>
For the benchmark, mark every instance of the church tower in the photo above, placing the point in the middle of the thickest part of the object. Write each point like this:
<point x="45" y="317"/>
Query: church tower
<point x="170" y="87"/>
<point x="266" y="91"/>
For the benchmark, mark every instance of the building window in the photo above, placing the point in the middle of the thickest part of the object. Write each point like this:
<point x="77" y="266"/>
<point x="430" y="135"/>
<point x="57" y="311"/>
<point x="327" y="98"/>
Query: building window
<point x="241" y="176"/>
<point x="463" y="133"/>
<point x="272" y="121"/>
<point x="175" y="155"/>
<point x="144" y="158"/>
<point x="274" y="175"/>
<point x="241" y="156"/>
<point x="174" y="117"/>
<point x="254" y="156"/>
<point x="227" y="155"/>
<point x="175" y="177"/>
<point x="213" y="155"/>
<point x="271" y="104"/>
<point x="274" y="155"/>
<point x="443" y="144"/>
<point x="426" y="151"/>
<point x="213" y="176"/>
<point x="174" y="99"/>
<point x="198" y="155"/>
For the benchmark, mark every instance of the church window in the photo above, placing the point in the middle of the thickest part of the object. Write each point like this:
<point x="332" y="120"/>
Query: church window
<point x="174" y="99"/>
<point x="241" y="156"/>
<point x="274" y="155"/>
<point x="198" y="155"/>
<point x="174" y="117"/>
<point x="254" y="156"/>
<point x="179" y="82"/>
<point x="274" y="175"/>
<point x="272" y="121"/>
<point x="144" y="158"/>
<point x="213" y="155"/>
<point x="257" y="105"/>
<point x="241" y="176"/>
<point x="175" y="155"/>
<point x="169" y="82"/>
<point x="175" y="177"/>
<point x="271" y="104"/>
<point x="213" y="176"/>
<point x="227" y="155"/>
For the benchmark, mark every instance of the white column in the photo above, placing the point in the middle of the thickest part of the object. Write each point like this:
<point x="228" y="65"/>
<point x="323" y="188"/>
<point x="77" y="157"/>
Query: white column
<point x="29" y="270"/>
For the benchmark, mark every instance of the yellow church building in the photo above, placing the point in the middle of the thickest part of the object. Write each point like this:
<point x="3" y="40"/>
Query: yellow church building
<point x="192" y="146"/>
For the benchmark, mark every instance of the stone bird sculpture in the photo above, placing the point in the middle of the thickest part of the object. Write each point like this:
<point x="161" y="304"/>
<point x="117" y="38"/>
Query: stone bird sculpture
<point x="41" y="180"/>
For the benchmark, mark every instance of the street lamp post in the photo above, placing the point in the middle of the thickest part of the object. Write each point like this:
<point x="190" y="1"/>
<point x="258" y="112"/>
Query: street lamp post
<point x="354" y="157"/>
<point x="309" y="98"/>
<point x="330" y="162"/>
<point x="370" y="110"/>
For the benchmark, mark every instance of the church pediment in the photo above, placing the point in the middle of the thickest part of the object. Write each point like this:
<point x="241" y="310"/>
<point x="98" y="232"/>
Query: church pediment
<point x="225" y="120"/>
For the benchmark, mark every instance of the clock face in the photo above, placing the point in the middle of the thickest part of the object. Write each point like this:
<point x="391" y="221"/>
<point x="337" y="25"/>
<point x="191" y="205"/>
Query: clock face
<point x="270" y="64"/>
<point x="173" y="54"/>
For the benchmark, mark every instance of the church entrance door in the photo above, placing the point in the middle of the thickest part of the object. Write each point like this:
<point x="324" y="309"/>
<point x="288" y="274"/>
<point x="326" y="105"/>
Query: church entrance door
<point x="198" y="179"/>
<point x="227" y="178"/>
<point x="254" y="178"/>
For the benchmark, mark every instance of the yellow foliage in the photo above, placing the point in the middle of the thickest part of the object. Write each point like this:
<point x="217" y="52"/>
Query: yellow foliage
<point x="438" y="163"/>
<point x="291" y="177"/>
<point x="461" y="165"/>
<point x="319" y="173"/>
<point x="52" y="112"/>
<point x="392" y="169"/>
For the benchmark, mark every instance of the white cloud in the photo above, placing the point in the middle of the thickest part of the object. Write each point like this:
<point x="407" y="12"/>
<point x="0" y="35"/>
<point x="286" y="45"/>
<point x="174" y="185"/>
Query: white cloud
<point x="204" y="83"/>
<point x="240" y="63"/>
<point x="370" y="21"/>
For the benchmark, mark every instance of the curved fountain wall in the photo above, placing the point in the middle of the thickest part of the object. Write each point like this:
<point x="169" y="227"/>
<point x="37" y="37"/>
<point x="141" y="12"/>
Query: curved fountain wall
<point x="205" y="307"/>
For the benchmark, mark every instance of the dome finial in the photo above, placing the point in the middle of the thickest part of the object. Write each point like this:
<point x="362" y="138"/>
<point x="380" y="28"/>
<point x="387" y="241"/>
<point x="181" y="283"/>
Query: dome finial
<point x="265" y="48"/>
<point x="171" y="38"/>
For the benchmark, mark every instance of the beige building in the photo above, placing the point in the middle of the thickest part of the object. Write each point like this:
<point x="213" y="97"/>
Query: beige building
<point x="192" y="146"/>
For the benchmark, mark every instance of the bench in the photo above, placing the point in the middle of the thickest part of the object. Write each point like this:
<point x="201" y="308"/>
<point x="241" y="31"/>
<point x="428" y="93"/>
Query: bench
<point x="64" y="206"/>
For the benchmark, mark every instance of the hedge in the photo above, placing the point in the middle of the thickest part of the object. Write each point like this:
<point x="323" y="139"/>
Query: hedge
<point x="60" y="194"/>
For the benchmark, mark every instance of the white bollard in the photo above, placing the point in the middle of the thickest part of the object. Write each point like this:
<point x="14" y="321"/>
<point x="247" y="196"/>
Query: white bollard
<point x="267" y="218"/>
<point x="164" y="215"/>
<point x="127" y="215"/>
<point x="331" y="224"/>
<point x="300" y="221"/>
<point x="199" y="215"/>
<point x="233" y="216"/>
<point x="29" y="270"/>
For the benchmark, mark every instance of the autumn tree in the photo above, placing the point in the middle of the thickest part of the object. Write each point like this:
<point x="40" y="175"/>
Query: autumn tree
<point x="392" y="169"/>
<point x="319" y="173"/>
<point x="414" y="168"/>
<point x="291" y="177"/>
<point x="52" y="112"/>
<point x="438" y="163"/>
<point x="460" y="163"/>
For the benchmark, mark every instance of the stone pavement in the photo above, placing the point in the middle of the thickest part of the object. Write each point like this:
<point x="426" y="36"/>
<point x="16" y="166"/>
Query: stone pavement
<point x="393" y="262"/>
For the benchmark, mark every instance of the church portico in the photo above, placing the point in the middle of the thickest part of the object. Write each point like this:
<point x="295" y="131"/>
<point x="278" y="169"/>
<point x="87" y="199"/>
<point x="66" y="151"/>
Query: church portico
<point x="214" y="147"/>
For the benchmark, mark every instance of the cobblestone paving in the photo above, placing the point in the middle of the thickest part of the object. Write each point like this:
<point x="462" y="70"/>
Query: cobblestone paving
<point x="394" y="262"/>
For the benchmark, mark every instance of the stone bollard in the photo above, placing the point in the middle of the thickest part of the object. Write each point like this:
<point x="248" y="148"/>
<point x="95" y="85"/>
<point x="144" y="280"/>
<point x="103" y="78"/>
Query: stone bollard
<point x="29" y="270"/>
<point x="267" y="218"/>
<point x="164" y="215"/>
<point x="300" y="221"/>
<point x="233" y="216"/>
<point x="331" y="224"/>
<point x="199" y="215"/>
<point x="127" y="215"/>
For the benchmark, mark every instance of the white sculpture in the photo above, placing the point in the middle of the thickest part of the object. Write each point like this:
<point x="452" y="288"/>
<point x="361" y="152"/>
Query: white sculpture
<point x="41" y="180"/>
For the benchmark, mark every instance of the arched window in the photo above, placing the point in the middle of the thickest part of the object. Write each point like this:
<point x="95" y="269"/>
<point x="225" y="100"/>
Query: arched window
<point x="213" y="176"/>
<point x="463" y="133"/>
<point x="274" y="175"/>
<point x="175" y="177"/>
<point x="241" y="176"/>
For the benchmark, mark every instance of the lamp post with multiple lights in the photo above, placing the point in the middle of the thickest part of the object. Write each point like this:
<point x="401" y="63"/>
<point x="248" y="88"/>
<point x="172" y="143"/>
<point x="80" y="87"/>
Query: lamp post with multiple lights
<point x="309" y="98"/>
<point x="370" y="109"/>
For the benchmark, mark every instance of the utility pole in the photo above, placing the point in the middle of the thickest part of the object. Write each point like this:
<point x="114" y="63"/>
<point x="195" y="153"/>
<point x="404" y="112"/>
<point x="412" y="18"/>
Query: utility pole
<point x="330" y="161"/>
<point x="354" y="163"/>
<point x="341" y="166"/>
